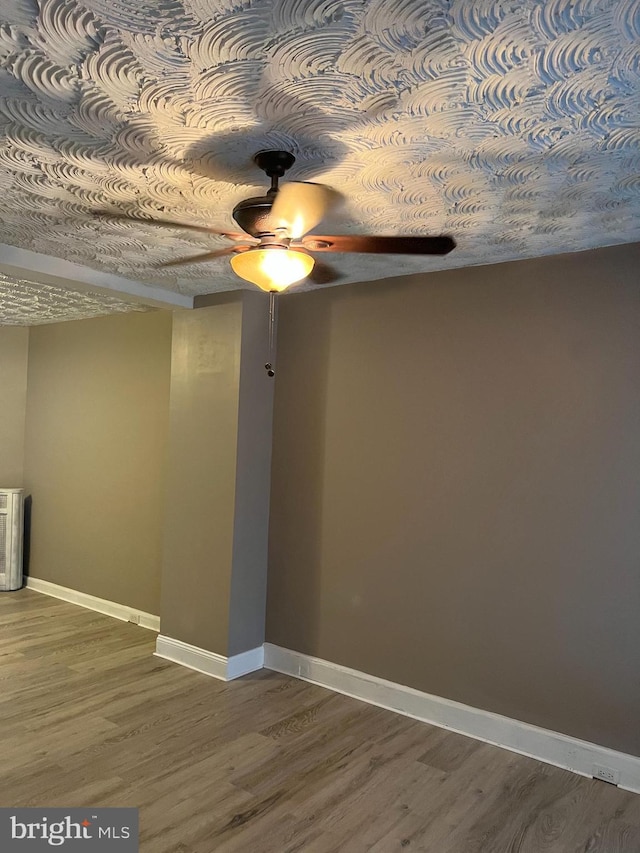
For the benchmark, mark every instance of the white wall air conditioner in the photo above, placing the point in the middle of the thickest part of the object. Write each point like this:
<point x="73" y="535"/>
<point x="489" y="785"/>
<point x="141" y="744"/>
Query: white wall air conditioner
<point x="11" y="530"/>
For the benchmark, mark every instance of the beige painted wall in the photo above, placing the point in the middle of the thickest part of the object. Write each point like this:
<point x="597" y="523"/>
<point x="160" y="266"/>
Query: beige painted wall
<point x="96" y="437"/>
<point x="14" y="350"/>
<point x="456" y="487"/>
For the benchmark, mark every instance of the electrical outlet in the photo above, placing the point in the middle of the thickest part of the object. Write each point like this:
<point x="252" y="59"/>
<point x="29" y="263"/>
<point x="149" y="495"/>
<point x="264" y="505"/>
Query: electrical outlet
<point x="606" y="774"/>
<point x="134" y="618"/>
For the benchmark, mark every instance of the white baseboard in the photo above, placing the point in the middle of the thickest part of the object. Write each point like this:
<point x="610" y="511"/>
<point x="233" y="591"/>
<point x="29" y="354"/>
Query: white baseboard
<point x="210" y="663"/>
<point x="101" y="605"/>
<point x="245" y="662"/>
<point x="551" y="747"/>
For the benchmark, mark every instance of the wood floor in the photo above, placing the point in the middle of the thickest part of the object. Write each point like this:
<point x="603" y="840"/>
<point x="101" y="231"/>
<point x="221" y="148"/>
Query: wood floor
<point x="265" y="764"/>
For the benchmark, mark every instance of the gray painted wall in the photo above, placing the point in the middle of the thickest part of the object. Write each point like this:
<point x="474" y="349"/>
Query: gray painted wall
<point x="217" y="517"/>
<point x="253" y="481"/>
<point x="198" y="538"/>
<point x="96" y="437"/>
<point x="14" y="351"/>
<point x="456" y="487"/>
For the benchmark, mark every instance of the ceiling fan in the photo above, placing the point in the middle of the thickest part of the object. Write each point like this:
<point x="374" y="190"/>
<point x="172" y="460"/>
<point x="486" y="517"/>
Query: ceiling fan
<point x="274" y="250"/>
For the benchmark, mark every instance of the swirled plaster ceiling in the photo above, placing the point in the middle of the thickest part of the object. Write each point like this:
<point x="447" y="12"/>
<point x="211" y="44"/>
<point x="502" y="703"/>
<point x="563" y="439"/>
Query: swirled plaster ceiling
<point x="513" y="125"/>
<point x="28" y="303"/>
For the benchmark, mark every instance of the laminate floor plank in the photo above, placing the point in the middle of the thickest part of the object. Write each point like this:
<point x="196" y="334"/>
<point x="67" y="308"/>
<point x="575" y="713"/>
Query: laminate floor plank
<point x="448" y="750"/>
<point x="267" y="763"/>
<point x="320" y="753"/>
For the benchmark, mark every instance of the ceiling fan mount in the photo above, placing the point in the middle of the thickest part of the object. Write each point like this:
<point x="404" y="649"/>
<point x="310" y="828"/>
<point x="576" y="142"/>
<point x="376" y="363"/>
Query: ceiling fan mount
<point x="253" y="214"/>
<point x="274" y="163"/>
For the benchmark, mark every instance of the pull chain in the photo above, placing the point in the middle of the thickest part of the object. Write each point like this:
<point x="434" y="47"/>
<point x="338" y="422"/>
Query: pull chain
<point x="273" y="307"/>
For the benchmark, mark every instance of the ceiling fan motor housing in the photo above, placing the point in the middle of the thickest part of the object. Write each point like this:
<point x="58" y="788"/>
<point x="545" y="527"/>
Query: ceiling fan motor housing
<point x="252" y="214"/>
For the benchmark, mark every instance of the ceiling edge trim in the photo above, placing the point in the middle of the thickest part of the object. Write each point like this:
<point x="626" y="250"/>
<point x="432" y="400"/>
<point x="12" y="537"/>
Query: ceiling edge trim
<point x="44" y="269"/>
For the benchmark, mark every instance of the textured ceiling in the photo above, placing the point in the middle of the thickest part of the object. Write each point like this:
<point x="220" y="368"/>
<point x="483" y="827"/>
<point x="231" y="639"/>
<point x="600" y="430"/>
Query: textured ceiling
<point x="27" y="303"/>
<point x="513" y="126"/>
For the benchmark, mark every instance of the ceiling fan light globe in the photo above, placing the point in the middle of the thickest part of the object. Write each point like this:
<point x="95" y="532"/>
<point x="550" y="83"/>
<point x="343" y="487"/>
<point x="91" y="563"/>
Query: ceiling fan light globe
<point x="272" y="269"/>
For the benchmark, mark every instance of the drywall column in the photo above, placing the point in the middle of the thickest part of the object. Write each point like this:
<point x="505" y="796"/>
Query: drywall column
<point x="14" y="350"/>
<point x="217" y="520"/>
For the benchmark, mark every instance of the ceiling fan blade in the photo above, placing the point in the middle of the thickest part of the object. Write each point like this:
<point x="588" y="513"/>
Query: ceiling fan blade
<point x="299" y="206"/>
<point x="207" y="256"/>
<point x="380" y="245"/>
<point x="167" y="223"/>
<point x="323" y="274"/>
